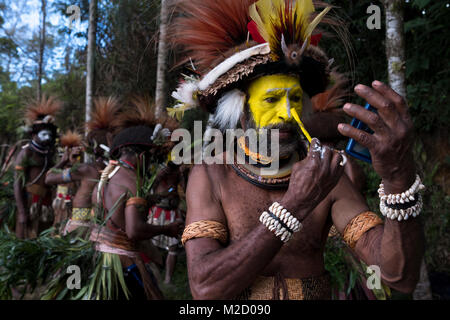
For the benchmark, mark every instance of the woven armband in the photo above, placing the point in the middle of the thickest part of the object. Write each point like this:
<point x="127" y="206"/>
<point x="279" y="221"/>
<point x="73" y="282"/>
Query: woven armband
<point x="360" y="225"/>
<point x="136" y="201"/>
<point x="19" y="168"/>
<point x="205" y="229"/>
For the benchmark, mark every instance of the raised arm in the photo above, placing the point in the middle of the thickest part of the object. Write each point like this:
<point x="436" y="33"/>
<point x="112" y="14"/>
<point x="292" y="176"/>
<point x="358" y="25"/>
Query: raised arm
<point x="398" y="246"/>
<point x="395" y="247"/>
<point x="58" y="176"/>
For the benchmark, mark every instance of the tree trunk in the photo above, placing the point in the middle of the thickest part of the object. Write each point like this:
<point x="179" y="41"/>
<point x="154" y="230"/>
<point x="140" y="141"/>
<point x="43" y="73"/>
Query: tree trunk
<point x="395" y="53"/>
<point x="41" y="48"/>
<point x="90" y="61"/>
<point x="160" y="94"/>
<point x="395" y="45"/>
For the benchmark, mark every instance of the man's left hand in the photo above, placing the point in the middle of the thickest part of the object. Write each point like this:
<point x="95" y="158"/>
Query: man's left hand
<point x="391" y="143"/>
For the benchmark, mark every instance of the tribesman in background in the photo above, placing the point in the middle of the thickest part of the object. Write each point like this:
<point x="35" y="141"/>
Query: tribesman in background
<point x="70" y="142"/>
<point x="100" y="133"/>
<point x="166" y="211"/>
<point x="33" y="196"/>
<point x="139" y="146"/>
<point x="258" y="232"/>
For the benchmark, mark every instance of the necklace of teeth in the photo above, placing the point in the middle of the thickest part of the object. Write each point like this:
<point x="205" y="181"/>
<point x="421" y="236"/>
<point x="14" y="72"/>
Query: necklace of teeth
<point x="403" y="205"/>
<point x="280" y="221"/>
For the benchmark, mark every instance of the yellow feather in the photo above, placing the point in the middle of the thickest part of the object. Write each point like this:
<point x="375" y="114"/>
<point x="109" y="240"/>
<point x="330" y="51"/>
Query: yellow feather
<point x="265" y="14"/>
<point x="316" y="21"/>
<point x="262" y="13"/>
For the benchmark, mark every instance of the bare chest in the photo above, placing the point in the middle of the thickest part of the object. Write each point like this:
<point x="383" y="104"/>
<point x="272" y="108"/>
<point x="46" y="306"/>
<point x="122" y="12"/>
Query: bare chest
<point x="243" y="203"/>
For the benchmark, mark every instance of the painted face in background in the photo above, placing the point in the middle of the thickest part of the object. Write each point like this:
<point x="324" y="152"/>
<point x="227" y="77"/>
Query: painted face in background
<point x="45" y="137"/>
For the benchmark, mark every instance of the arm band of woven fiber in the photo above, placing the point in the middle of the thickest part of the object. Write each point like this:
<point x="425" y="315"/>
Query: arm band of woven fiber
<point x="205" y="229"/>
<point x="360" y="225"/>
<point x="19" y="168"/>
<point x="136" y="201"/>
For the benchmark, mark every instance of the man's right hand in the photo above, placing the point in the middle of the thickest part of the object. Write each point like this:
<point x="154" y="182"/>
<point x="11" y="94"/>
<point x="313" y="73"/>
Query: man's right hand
<point x="312" y="179"/>
<point x="175" y="229"/>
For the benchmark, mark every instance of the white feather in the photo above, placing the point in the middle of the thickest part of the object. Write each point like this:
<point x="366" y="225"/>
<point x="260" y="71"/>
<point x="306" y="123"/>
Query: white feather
<point x="156" y="130"/>
<point x="229" y="109"/>
<point x="230" y="62"/>
<point x="185" y="93"/>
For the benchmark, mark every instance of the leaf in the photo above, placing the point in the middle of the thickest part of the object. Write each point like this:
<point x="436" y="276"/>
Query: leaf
<point x="415" y="23"/>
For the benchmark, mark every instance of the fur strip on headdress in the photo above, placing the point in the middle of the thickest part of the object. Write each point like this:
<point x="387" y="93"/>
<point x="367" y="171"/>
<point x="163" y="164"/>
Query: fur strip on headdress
<point x="42" y="111"/>
<point x="71" y="139"/>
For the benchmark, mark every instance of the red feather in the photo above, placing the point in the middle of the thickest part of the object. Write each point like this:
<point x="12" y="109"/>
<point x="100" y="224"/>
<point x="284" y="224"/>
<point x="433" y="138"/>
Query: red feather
<point x="315" y="39"/>
<point x="253" y="29"/>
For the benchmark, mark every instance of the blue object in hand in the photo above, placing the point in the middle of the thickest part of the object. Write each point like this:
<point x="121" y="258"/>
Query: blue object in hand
<point x="353" y="147"/>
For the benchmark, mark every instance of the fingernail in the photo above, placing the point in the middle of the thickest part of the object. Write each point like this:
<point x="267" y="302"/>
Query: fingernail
<point x="347" y="106"/>
<point x="359" y="87"/>
<point x="377" y="83"/>
<point x="341" y="127"/>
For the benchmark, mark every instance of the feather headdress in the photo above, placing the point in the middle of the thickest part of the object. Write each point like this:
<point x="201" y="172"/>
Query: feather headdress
<point x="104" y="114"/>
<point x="137" y="125"/>
<point x="286" y="26"/>
<point x="140" y="112"/>
<point x="42" y="111"/>
<point x="333" y="97"/>
<point x="215" y="37"/>
<point x="71" y="139"/>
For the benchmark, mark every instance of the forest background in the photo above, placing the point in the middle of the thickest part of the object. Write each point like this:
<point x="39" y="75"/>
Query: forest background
<point x="126" y="62"/>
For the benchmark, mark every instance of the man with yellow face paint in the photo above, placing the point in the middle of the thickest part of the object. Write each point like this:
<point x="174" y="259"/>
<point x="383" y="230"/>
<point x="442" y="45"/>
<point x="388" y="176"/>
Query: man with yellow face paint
<point x="276" y="101"/>
<point x="251" y="235"/>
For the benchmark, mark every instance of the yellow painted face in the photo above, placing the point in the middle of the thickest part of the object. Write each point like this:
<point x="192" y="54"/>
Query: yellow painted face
<point x="272" y="98"/>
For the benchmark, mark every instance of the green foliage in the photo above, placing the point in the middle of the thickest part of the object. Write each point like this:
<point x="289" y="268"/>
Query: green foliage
<point x="34" y="262"/>
<point x="342" y="275"/>
<point x="7" y="204"/>
<point x="427" y="60"/>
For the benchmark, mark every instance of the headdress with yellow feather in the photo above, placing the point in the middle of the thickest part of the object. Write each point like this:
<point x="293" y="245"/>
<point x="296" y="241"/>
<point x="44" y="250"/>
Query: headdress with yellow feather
<point x="229" y="43"/>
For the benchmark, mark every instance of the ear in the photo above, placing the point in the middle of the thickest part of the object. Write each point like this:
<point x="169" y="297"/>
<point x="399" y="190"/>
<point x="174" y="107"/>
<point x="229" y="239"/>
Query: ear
<point x="109" y="138"/>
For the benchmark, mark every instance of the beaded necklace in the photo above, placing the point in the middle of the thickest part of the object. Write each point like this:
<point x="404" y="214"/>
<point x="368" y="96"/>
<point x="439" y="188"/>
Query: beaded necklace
<point x="127" y="164"/>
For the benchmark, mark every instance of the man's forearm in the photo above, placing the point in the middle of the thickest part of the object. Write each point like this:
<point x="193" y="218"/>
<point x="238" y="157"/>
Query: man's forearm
<point x="224" y="273"/>
<point x="397" y="248"/>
